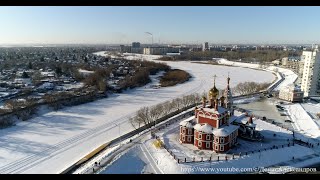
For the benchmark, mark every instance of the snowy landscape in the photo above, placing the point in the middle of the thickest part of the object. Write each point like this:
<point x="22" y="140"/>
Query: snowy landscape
<point x="139" y="94"/>
<point x="288" y="157"/>
<point x="53" y="141"/>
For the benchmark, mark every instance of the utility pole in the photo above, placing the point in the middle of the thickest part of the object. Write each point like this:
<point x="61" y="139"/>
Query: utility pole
<point x="119" y="134"/>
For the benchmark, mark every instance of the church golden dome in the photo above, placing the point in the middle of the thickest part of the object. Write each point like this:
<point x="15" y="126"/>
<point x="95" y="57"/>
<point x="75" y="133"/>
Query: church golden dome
<point x="213" y="92"/>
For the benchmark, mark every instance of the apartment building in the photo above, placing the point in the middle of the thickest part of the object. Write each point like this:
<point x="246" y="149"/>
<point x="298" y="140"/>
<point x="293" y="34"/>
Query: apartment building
<point x="310" y="82"/>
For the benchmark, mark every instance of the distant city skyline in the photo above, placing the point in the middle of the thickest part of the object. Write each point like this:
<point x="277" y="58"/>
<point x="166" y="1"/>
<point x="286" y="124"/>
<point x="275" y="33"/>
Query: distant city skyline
<point x="170" y="25"/>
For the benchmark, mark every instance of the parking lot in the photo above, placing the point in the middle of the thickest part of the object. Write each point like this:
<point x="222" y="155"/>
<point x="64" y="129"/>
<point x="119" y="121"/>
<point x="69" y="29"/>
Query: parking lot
<point x="266" y="107"/>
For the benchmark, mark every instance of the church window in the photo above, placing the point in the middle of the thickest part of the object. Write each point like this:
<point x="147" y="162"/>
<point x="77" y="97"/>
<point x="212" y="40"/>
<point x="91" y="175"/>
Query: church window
<point x="221" y="148"/>
<point x="199" y="143"/>
<point x="222" y="140"/>
<point x="189" y="139"/>
<point x="200" y="135"/>
<point x="183" y="130"/>
<point x="207" y="145"/>
<point x="183" y="138"/>
<point x="208" y="137"/>
<point x="189" y="131"/>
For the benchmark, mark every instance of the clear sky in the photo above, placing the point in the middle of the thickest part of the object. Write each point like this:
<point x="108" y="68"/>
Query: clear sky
<point x="167" y="24"/>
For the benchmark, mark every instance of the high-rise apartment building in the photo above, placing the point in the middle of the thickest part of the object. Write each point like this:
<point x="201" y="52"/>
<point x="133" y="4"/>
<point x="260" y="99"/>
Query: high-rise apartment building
<point x="310" y="82"/>
<point x="205" y="46"/>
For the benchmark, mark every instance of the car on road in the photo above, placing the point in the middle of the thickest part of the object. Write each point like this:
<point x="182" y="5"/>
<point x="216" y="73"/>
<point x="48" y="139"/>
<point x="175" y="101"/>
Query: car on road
<point x="283" y="114"/>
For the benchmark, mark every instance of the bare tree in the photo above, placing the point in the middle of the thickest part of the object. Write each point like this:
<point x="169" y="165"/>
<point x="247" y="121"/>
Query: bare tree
<point x="177" y="103"/>
<point x="143" y="116"/>
<point x="147" y="116"/>
<point x="134" y="122"/>
<point x="249" y="87"/>
<point x="156" y="112"/>
<point x="167" y="107"/>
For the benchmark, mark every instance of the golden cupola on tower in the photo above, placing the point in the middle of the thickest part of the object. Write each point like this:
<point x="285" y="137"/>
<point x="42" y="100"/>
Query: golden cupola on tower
<point x="213" y="92"/>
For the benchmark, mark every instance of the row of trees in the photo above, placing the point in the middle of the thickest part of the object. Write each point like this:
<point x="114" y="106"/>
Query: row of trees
<point x="142" y="71"/>
<point x="244" y="88"/>
<point x="259" y="55"/>
<point x="23" y="109"/>
<point x="148" y="115"/>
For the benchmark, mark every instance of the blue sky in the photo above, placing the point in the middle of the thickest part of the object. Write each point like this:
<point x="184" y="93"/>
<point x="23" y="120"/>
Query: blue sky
<point x="168" y="24"/>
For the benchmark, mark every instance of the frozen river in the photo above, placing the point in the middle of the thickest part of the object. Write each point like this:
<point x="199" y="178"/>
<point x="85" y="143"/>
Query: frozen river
<point x="51" y="142"/>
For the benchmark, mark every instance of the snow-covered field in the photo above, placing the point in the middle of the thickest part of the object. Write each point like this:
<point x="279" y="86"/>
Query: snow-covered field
<point x="302" y="121"/>
<point x="53" y="141"/>
<point x="303" y="156"/>
<point x="290" y="76"/>
<point x="312" y="109"/>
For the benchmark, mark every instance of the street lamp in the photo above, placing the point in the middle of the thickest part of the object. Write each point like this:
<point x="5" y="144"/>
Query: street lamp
<point x="119" y="131"/>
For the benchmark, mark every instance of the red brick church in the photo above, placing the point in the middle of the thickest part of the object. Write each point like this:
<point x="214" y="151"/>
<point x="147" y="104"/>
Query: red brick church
<point x="210" y="128"/>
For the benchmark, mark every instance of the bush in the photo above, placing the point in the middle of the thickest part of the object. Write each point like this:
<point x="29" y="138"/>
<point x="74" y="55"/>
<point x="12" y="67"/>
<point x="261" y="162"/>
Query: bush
<point x="173" y="77"/>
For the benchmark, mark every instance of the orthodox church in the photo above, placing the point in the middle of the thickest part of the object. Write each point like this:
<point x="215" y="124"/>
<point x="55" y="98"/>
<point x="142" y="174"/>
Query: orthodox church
<point x="212" y="126"/>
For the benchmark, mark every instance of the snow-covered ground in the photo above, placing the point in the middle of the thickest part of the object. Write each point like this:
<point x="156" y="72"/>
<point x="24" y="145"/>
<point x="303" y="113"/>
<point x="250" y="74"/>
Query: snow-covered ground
<point x="303" y="156"/>
<point x="54" y="141"/>
<point x="85" y="72"/>
<point x="302" y="121"/>
<point x="312" y="109"/>
<point x="243" y="164"/>
<point x="290" y="76"/>
<point x="246" y="100"/>
<point x="127" y="163"/>
<point x="306" y="124"/>
<point x="170" y="136"/>
<point x="72" y="86"/>
<point x="162" y="162"/>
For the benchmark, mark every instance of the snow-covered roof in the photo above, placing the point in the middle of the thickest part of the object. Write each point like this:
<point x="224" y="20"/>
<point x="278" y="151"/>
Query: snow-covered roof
<point x="46" y="85"/>
<point x="290" y="88"/>
<point x="212" y="110"/>
<point x="83" y="71"/>
<point x="225" y="130"/>
<point x="206" y="128"/>
<point x="187" y="122"/>
<point x="251" y="125"/>
<point x="241" y="119"/>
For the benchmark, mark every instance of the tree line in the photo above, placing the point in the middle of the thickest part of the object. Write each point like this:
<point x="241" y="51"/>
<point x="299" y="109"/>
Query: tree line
<point x="244" y="88"/>
<point x="149" y="115"/>
<point x="249" y="55"/>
